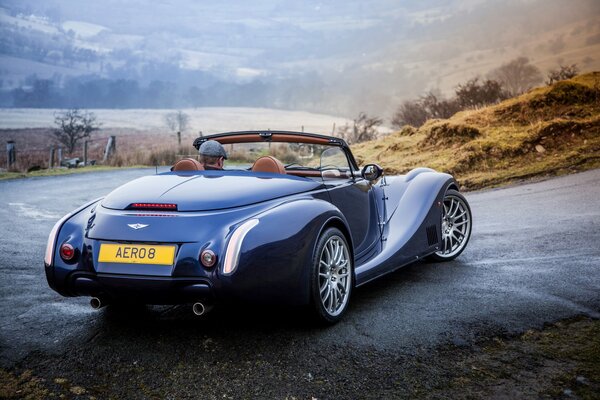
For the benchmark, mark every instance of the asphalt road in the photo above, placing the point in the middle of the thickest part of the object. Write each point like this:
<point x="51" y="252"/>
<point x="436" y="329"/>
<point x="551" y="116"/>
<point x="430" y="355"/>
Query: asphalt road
<point x="534" y="258"/>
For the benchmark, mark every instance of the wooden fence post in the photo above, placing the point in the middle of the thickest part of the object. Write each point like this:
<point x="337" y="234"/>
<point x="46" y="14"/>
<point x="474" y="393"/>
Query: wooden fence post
<point x="51" y="161"/>
<point x="179" y="138"/>
<point x="111" y="147"/>
<point x="11" y="154"/>
<point x="85" y="153"/>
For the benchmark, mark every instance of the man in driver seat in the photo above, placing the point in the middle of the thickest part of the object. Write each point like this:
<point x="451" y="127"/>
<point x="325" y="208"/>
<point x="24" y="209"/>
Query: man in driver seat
<point x="212" y="155"/>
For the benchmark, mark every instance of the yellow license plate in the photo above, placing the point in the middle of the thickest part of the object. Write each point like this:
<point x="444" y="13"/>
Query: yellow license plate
<point x="137" y="254"/>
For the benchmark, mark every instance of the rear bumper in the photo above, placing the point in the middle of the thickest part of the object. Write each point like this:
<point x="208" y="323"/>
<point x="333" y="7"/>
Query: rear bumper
<point x="145" y="289"/>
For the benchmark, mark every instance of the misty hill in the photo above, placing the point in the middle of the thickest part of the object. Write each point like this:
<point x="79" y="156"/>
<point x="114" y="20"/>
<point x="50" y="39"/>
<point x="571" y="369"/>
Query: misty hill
<point x="339" y="56"/>
<point x="547" y="131"/>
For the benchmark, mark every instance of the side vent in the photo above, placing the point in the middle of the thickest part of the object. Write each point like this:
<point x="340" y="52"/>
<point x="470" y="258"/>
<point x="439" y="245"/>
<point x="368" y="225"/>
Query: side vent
<point x="432" y="236"/>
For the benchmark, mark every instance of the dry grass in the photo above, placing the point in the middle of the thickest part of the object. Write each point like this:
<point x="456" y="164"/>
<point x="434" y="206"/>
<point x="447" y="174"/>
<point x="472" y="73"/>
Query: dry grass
<point x="547" y="131"/>
<point x="134" y="148"/>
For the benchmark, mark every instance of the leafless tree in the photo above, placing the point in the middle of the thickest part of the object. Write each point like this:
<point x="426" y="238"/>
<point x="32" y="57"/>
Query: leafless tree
<point x="517" y="76"/>
<point x="476" y="93"/>
<point x="562" y="73"/>
<point x="74" y="125"/>
<point x="437" y="106"/>
<point x="430" y="105"/>
<point x="363" y="128"/>
<point x="410" y="112"/>
<point x="177" y="122"/>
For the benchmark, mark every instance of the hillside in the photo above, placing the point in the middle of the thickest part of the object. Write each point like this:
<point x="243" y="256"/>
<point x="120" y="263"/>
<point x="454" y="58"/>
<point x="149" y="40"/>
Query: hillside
<point x="547" y="131"/>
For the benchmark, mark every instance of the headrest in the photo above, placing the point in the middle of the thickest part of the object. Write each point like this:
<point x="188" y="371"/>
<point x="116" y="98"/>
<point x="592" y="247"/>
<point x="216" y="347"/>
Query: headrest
<point x="187" y="164"/>
<point x="268" y="164"/>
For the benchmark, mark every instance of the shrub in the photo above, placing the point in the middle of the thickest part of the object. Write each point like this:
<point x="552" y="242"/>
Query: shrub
<point x="563" y="72"/>
<point x="447" y="133"/>
<point x="567" y="93"/>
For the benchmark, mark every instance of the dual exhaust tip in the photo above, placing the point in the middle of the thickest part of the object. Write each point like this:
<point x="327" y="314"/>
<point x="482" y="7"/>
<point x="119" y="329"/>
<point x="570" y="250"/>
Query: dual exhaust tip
<point x="96" y="303"/>
<point x="198" y="308"/>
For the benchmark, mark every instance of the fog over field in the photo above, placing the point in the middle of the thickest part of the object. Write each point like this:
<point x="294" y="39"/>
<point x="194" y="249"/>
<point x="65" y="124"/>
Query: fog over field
<point x="208" y="120"/>
<point x="336" y="57"/>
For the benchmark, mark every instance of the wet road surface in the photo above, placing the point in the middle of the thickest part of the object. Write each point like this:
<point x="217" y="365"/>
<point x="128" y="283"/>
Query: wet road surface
<point x="534" y="257"/>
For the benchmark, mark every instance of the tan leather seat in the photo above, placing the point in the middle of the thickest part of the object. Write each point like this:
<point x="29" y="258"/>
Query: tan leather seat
<point x="268" y="164"/>
<point x="187" y="164"/>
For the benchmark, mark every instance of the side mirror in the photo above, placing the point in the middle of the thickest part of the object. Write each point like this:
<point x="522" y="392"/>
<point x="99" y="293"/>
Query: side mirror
<point x="371" y="172"/>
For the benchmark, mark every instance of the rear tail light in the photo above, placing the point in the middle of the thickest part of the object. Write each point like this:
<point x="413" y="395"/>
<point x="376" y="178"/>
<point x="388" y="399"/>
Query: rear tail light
<point x="67" y="252"/>
<point x="208" y="258"/>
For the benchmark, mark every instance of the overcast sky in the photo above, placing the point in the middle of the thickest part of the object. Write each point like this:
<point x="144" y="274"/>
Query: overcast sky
<point x="378" y="50"/>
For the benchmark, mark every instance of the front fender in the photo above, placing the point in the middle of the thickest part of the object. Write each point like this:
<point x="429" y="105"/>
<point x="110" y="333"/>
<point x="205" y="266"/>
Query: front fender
<point x="413" y="204"/>
<point x="276" y="254"/>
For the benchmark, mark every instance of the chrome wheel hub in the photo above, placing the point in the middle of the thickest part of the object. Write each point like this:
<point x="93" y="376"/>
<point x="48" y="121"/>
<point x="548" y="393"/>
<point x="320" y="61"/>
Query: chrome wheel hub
<point x="334" y="276"/>
<point x="456" y="226"/>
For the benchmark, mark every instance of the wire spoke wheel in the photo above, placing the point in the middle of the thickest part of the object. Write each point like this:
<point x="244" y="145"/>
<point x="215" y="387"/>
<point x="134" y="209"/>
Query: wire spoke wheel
<point x="334" y="277"/>
<point x="456" y="226"/>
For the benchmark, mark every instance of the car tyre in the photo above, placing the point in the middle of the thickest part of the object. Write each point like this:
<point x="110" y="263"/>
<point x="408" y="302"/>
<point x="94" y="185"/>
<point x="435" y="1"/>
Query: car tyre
<point x="332" y="277"/>
<point x="457" y="222"/>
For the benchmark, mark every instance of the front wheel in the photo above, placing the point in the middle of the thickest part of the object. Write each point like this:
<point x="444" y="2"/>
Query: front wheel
<point x="331" y="276"/>
<point x="456" y="226"/>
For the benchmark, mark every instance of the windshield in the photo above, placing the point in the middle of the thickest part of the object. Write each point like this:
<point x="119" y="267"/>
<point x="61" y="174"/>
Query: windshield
<point x="294" y="156"/>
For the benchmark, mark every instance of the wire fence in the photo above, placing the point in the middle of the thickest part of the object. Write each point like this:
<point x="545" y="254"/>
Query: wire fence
<point x="30" y="158"/>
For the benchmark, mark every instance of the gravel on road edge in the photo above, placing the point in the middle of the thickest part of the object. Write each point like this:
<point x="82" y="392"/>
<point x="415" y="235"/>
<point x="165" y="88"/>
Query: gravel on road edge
<point x="562" y="360"/>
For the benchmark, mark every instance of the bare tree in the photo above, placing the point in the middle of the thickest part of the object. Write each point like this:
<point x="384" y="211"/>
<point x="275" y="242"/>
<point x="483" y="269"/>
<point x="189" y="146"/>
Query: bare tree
<point x="363" y="128"/>
<point x="437" y="106"/>
<point x="410" y="112"/>
<point x="517" y="76"/>
<point x="177" y="122"/>
<point x="430" y="105"/>
<point x="562" y="73"/>
<point x="74" y="125"/>
<point x="475" y="93"/>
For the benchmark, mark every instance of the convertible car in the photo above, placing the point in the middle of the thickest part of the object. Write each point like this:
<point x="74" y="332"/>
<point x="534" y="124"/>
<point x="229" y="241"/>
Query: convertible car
<point x="292" y="219"/>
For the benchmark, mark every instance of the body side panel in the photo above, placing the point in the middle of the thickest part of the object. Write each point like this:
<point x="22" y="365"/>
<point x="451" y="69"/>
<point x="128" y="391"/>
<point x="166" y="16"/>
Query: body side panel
<point x="405" y="238"/>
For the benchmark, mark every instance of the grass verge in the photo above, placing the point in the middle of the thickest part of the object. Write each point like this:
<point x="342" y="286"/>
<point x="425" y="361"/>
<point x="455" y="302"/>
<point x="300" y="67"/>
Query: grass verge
<point x="63" y="171"/>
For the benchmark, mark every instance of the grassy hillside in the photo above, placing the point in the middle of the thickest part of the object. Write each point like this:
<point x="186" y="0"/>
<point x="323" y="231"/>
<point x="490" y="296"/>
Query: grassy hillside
<point x="547" y="131"/>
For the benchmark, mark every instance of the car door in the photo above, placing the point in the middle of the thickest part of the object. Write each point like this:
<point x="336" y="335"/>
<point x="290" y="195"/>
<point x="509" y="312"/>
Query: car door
<point x="353" y="196"/>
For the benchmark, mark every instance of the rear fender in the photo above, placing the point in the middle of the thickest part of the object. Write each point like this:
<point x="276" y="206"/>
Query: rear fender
<point x="276" y="254"/>
<point x="72" y="230"/>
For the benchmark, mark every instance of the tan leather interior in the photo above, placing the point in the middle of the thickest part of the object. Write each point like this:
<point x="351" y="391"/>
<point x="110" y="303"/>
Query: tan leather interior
<point x="268" y="164"/>
<point x="187" y="164"/>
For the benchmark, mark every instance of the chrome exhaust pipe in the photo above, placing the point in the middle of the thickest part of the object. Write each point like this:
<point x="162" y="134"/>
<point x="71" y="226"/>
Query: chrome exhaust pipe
<point x="96" y="303"/>
<point x="200" y="308"/>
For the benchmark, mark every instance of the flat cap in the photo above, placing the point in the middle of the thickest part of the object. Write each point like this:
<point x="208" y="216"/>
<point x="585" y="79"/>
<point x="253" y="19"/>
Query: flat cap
<point x="212" y="148"/>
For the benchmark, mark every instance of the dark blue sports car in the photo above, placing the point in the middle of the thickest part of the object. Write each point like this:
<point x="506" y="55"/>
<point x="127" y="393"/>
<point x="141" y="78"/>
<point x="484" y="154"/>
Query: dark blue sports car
<point x="292" y="219"/>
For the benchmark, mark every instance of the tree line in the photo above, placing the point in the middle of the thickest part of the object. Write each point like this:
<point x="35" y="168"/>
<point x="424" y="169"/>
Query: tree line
<point x="509" y="80"/>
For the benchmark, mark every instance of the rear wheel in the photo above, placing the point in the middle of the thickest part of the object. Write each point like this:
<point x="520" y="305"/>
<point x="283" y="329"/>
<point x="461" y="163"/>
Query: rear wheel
<point x="331" y="276"/>
<point x="456" y="226"/>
